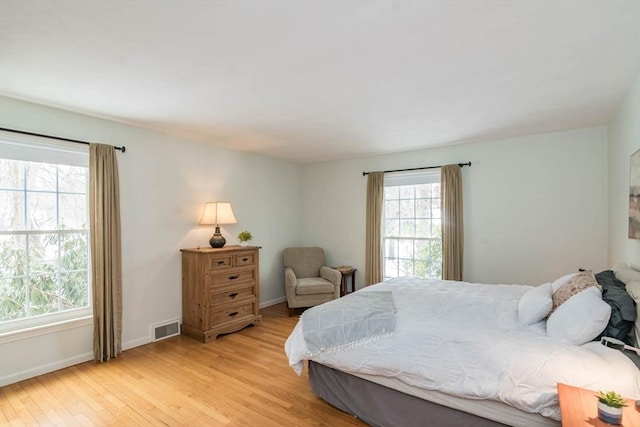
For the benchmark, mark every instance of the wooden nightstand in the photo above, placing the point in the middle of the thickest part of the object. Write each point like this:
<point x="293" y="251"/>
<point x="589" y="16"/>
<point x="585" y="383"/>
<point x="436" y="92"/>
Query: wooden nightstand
<point x="579" y="407"/>
<point x="346" y="273"/>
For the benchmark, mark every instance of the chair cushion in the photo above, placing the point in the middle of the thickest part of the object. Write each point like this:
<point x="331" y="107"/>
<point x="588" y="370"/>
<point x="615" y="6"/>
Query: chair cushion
<point x="314" y="285"/>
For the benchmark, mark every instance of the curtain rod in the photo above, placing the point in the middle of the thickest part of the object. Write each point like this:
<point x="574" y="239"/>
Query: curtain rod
<point x="415" y="169"/>
<point x="123" y="148"/>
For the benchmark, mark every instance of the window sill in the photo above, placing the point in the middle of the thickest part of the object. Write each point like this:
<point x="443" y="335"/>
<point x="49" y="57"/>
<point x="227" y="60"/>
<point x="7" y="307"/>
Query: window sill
<point x="50" y="328"/>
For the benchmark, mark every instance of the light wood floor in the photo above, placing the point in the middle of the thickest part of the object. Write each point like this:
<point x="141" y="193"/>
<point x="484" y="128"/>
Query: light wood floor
<point x="241" y="379"/>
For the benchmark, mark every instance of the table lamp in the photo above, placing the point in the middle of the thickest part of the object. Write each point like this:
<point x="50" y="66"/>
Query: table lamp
<point x="216" y="213"/>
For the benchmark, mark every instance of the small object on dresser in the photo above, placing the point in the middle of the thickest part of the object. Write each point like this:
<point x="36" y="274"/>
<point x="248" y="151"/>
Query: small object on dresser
<point x="610" y="406"/>
<point x="244" y="237"/>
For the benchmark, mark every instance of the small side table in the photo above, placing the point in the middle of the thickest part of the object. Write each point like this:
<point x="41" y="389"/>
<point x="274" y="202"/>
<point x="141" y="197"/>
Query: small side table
<point x="579" y="408"/>
<point x="346" y="273"/>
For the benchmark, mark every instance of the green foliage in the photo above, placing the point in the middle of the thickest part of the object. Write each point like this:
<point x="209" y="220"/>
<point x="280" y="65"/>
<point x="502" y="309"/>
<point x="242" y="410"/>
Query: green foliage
<point x="612" y="399"/>
<point x="47" y="288"/>
<point x="245" y="236"/>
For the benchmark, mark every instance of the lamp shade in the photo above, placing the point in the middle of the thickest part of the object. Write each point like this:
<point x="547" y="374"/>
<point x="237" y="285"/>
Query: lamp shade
<point x="217" y="213"/>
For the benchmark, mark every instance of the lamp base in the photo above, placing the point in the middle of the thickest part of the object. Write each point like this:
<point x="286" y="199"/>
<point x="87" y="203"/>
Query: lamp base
<point x="217" y="241"/>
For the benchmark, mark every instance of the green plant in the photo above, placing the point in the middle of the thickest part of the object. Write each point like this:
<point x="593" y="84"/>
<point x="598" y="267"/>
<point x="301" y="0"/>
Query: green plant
<point x="245" y="236"/>
<point x="612" y="399"/>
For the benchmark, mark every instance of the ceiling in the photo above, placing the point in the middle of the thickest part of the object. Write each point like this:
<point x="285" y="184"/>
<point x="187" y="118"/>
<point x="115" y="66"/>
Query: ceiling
<point x="310" y="81"/>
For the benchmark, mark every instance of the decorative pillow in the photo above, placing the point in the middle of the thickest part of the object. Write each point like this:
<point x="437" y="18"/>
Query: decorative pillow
<point x="626" y="274"/>
<point x="623" y="308"/>
<point x="556" y="284"/>
<point x="573" y="286"/>
<point x="535" y="305"/>
<point x="580" y="319"/>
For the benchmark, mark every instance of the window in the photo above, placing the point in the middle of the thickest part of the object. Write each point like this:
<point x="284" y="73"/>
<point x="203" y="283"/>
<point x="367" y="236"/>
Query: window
<point x="44" y="236"/>
<point x="412" y="232"/>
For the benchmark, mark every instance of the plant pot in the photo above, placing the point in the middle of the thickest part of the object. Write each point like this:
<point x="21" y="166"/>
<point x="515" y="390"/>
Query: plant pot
<point x="609" y="415"/>
<point x="243" y="243"/>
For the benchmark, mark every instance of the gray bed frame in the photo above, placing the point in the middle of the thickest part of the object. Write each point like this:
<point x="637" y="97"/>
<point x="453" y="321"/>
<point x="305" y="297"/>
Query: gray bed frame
<point x="381" y="406"/>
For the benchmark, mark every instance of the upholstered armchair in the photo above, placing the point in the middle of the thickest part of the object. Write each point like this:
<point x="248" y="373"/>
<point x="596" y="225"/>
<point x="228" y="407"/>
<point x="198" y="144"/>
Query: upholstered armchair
<point x="307" y="280"/>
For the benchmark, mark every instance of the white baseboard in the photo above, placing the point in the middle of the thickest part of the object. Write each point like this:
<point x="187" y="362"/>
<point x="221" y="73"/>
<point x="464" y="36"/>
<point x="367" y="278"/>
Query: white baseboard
<point x="265" y="304"/>
<point x="135" y="343"/>
<point x="45" y="369"/>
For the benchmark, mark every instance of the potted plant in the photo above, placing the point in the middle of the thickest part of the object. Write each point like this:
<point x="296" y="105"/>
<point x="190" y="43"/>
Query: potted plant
<point x="244" y="237"/>
<point x="610" y="406"/>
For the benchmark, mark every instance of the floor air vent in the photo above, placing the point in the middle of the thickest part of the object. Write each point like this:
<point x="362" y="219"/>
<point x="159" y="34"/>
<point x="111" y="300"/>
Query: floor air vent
<point x="162" y="330"/>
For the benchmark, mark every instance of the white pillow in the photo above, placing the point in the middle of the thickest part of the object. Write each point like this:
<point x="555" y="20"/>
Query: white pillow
<point x="580" y="319"/>
<point x="556" y="284"/>
<point x="534" y="305"/>
<point x="626" y="274"/>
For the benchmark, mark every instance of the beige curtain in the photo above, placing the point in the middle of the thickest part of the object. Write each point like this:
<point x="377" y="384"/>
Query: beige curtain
<point x="452" y="226"/>
<point x="106" y="269"/>
<point x="373" y="258"/>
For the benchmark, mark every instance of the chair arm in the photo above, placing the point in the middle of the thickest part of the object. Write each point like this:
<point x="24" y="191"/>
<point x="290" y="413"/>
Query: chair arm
<point x="290" y="280"/>
<point x="331" y="274"/>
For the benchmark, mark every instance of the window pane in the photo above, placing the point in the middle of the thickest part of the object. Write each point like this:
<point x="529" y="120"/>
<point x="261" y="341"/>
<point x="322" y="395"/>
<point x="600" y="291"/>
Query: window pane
<point x="423" y="191"/>
<point x="407" y="209"/>
<point x="391" y="193"/>
<point x="390" y="268"/>
<point x="11" y="174"/>
<point x="11" y="210"/>
<point x="41" y="176"/>
<point x="43" y="253"/>
<point x="422" y="208"/>
<point x="435" y="191"/>
<point x="423" y="228"/>
<point x="435" y="208"/>
<point x="407" y="228"/>
<point x="421" y="269"/>
<point x="13" y="298"/>
<point x="406" y="248"/>
<point x="72" y="179"/>
<point x="73" y="211"/>
<point x="391" y="228"/>
<point x="406" y="268"/>
<point x="391" y="209"/>
<point x="41" y="211"/>
<point x="73" y="251"/>
<point x="73" y="292"/>
<point x="43" y="293"/>
<point x="406" y="192"/>
<point x="391" y="248"/>
<point x="13" y="256"/>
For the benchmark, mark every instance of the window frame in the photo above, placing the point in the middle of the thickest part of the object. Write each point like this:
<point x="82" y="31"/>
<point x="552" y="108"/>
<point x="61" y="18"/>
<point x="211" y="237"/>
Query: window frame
<point x="412" y="178"/>
<point x="53" y="152"/>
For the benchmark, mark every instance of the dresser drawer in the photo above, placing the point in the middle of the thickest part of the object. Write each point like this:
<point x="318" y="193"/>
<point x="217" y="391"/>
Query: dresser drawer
<point x="220" y="262"/>
<point x="231" y="294"/>
<point x="236" y="276"/>
<point x="231" y="314"/>
<point x="242" y="260"/>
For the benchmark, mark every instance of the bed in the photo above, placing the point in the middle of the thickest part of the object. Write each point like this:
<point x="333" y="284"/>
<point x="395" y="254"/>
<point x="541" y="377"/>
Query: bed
<point x="427" y="352"/>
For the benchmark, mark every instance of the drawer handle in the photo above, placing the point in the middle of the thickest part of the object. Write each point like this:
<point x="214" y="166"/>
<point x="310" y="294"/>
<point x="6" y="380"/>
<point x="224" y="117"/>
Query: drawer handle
<point x="233" y="295"/>
<point x="234" y="277"/>
<point x="233" y="313"/>
<point x="245" y="259"/>
<point x="220" y="262"/>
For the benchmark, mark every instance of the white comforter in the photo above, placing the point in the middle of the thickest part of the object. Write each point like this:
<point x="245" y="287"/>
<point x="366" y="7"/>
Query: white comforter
<point x="465" y="339"/>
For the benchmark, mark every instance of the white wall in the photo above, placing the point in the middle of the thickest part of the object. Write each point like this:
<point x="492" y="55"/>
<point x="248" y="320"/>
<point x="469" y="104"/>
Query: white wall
<point x="624" y="140"/>
<point x="535" y="207"/>
<point x="164" y="184"/>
